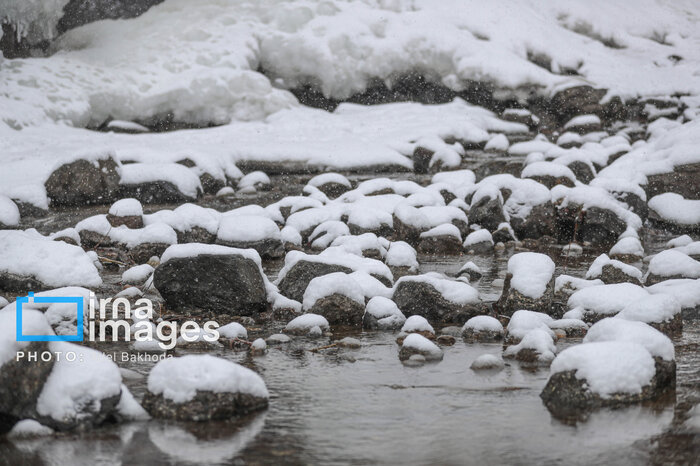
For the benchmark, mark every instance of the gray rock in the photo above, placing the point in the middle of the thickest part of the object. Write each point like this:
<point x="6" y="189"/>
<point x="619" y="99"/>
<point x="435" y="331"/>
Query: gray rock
<point x="611" y="274"/>
<point x="131" y="221"/>
<point x="542" y="221"/>
<point x="268" y="248"/>
<point x="421" y="298"/>
<point x="294" y="283"/>
<point x="155" y="192"/>
<point x="684" y="180"/>
<point x="205" y="406"/>
<point x="84" y="182"/>
<point x="444" y="245"/>
<point x="231" y="284"/>
<point x="512" y="300"/>
<point x="338" y="309"/>
<point x="488" y="213"/>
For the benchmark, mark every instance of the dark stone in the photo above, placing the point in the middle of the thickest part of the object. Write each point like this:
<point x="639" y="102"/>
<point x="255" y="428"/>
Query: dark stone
<point x="611" y="274"/>
<point x="482" y="247"/>
<point x="551" y="181"/>
<point x="512" y="300"/>
<point x="144" y="251"/>
<point x="567" y="397"/>
<point x="83" y="182"/>
<point x="497" y="167"/>
<point x="230" y="284"/>
<point x="155" y="192"/>
<point x="473" y="275"/>
<point x="444" y="245"/>
<point x="338" y="309"/>
<point x="683" y="180"/>
<point x="195" y="235"/>
<point x="294" y="283"/>
<point x="578" y="100"/>
<point x="600" y="227"/>
<point x="13" y="283"/>
<point x="502" y="235"/>
<point x="635" y="203"/>
<point x="205" y="406"/>
<point x="268" y="248"/>
<point x="421" y="298"/>
<point x="211" y="185"/>
<point x="472" y="335"/>
<point x="541" y="221"/>
<point x="446" y="340"/>
<point x="333" y="190"/>
<point x="79" y="12"/>
<point x="488" y="213"/>
<point x="421" y="159"/>
<point x="131" y="221"/>
<point x="584" y="173"/>
<point x="91" y="239"/>
<point x="21" y="383"/>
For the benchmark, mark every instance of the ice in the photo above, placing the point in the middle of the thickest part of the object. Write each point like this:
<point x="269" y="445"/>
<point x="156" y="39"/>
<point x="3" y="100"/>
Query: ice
<point x="332" y="283"/>
<point x="675" y="208"/>
<point x="608" y="367"/>
<point x="73" y="385"/>
<point x="532" y="272"/>
<point x="126" y="208"/>
<point x="54" y="263"/>
<point x="179" y="379"/>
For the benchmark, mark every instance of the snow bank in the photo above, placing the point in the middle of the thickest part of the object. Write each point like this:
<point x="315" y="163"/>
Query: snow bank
<point x="53" y="263"/>
<point x="179" y="379"/>
<point x="608" y="367"/>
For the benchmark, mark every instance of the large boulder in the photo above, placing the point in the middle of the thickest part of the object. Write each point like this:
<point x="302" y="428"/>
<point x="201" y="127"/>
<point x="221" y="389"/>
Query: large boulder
<point x="203" y="388"/>
<point x="84" y="182"/>
<point x="436" y="298"/>
<point x="683" y="180"/>
<point x="337" y="297"/>
<point x="529" y="284"/>
<point x="212" y="278"/>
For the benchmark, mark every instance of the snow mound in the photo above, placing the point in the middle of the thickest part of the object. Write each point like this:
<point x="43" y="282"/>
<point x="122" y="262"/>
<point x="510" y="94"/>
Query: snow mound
<point x="616" y="329"/>
<point x="532" y="272"/>
<point x="483" y="323"/>
<point x="332" y="283"/>
<point x="675" y="208"/>
<point x="653" y="309"/>
<point x="417" y="324"/>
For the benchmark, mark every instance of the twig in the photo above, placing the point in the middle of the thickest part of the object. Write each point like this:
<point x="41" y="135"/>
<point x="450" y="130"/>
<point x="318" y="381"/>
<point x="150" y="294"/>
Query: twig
<point x="315" y="350"/>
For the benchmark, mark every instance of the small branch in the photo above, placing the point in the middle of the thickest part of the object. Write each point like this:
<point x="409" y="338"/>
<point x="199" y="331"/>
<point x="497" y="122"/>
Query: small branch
<point x="316" y="350"/>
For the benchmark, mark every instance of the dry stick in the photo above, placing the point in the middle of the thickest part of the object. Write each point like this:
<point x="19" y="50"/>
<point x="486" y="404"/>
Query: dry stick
<point x="315" y="350"/>
<point x="573" y="237"/>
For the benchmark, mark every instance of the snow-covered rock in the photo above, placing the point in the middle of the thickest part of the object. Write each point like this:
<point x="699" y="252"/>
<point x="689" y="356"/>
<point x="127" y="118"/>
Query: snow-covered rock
<point x="661" y="311"/>
<point x="137" y="275"/>
<point x="418" y="344"/>
<point x="676" y="212"/>
<point x="127" y="212"/>
<point x="203" y="388"/>
<point x="337" y="297"/>
<point x="523" y="321"/>
<point x="251" y="232"/>
<point x="529" y="283"/>
<point x="537" y="346"/>
<point x="478" y="242"/>
<point x="401" y="255"/>
<point x="482" y="328"/>
<point x="599" y="301"/>
<point x="671" y="264"/>
<point x="383" y="314"/>
<point x="436" y="298"/>
<point x="308" y="324"/>
<point x="613" y="271"/>
<point x="9" y="213"/>
<point x="486" y="362"/>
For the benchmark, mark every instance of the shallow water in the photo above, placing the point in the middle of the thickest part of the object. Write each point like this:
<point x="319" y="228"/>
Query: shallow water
<point x="344" y="406"/>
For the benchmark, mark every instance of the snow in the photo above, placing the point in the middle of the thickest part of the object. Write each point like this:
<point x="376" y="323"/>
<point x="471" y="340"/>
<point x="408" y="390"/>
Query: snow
<point x="628" y="246"/>
<point x="137" y="275"/>
<point x="675" y="208"/>
<point x="253" y="180"/>
<point x="469" y="266"/>
<point x="179" y="379"/>
<point x="497" y="143"/>
<point x="401" y="254"/>
<point x="326" y="233"/>
<point x="582" y="120"/>
<point x="679" y="242"/>
<point x="358" y="244"/>
<point x="332" y="283"/>
<point x="185" y="217"/>
<point x="456" y="292"/>
<point x="130" y="409"/>
<point x="33" y="323"/>
<point x="152" y="233"/>
<point x="127" y="126"/>
<point x="73" y="385"/>
<point x="673" y="263"/>
<point x="246" y="228"/>
<point x="385" y="311"/>
<point x="538" y="340"/>
<point x="178" y="251"/>
<point x="54" y="263"/>
<point x="233" y="330"/>
<point x="686" y="291"/>
<point x="29" y="428"/>
<point x="568" y="323"/>
<point x="608" y="367"/>
<point x="370" y="285"/>
<point x="126" y="208"/>
<point x="446" y="229"/>
<point x="336" y="255"/>
<point x="653" y="309"/>
<point x="523" y="321"/>
<point x="180" y="176"/>
<point x="606" y="299"/>
<point x="483" y="324"/>
<point x="417" y="324"/>
<point x="588" y="197"/>
<point x="307" y="322"/>
<point x="419" y="343"/>
<point x="9" y="213"/>
<point x="621" y="330"/>
<point x="532" y="272"/>
<point x="478" y="236"/>
<point x="596" y="268"/>
<point x="555" y="170"/>
<point x="324" y="178"/>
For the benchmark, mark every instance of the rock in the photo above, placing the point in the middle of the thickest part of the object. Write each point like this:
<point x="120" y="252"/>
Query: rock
<point x="520" y="271"/>
<point x="421" y="159"/>
<point x="339" y="309"/>
<point x="333" y="185"/>
<point x="416" y="296"/>
<point x="583" y="171"/>
<point x="504" y="234"/>
<point x="21" y="383"/>
<point x="84" y="182"/>
<point x="155" y="192"/>
<point x="223" y="390"/>
<point x="598" y="226"/>
<point x="268" y="248"/>
<point x="230" y="283"/>
<point x="443" y="245"/>
<point x="382" y="314"/>
<point x="471" y="270"/>
<point x="541" y="221"/>
<point x="577" y="100"/>
<point x="487" y="212"/>
<point x="278" y="339"/>
<point x="308" y="324"/>
<point x="446" y="340"/>
<point x="611" y="274"/>
<point x="418" y="344"/>
<point x="127" y="212"/>
<point x="536" y="347"/>
<point x="482" y="329"/>
<point x="349" y="342"/>
<point x="297" y="279"/>
<point x="683" y="180"/>
<point x="479" y="242"/>
<point x="486" y="362"/>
